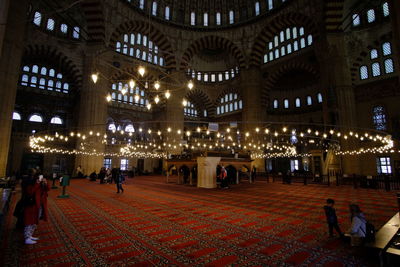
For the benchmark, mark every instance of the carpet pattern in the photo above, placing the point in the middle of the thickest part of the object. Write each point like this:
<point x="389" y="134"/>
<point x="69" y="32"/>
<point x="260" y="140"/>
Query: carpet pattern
<point x="159" y="224"/>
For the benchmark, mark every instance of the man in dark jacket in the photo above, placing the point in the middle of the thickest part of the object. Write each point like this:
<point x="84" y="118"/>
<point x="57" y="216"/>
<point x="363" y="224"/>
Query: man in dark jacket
<point x="331" y="217"/>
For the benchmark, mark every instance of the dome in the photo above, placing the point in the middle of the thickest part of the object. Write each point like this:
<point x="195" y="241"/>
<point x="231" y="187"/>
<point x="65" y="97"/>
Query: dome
<point x="207" y="14"/>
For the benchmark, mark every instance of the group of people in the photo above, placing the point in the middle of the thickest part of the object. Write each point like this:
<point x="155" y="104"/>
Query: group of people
<point x="109" y="176"/>
<point x="32" y="206"/>
<point x="358" y="230"/>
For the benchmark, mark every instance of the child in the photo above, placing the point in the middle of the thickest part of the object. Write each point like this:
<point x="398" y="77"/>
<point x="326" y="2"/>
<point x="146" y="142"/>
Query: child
<point x="331" y="218"/>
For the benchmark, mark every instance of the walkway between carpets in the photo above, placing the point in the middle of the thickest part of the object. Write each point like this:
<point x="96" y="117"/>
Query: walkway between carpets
<point x="154" y="223"/>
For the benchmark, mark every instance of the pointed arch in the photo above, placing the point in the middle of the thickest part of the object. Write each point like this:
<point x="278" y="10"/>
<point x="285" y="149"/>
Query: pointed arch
<point x="274" y="27"/>
<point x="152" y="32"/>
<point x="273" y="78"/>
<point x="212" y="42"/>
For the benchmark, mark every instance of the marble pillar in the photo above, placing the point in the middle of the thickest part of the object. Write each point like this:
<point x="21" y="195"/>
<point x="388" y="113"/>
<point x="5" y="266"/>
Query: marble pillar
<point x="12" y="45"/>
<point x="93" y="109"/>
<point x="207" y="171"/>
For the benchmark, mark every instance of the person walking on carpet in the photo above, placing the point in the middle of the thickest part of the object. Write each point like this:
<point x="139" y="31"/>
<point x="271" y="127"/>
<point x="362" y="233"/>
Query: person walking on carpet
<point x="331" y="217"/>
<point x="120" y="178"/>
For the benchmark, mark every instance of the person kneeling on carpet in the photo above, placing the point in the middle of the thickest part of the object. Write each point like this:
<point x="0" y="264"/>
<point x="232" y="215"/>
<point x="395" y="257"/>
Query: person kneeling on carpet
<point x="358" y="229"/>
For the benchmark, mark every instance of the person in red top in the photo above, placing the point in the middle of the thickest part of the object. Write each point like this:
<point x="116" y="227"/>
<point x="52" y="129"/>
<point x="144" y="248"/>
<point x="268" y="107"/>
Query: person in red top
<point x="224" y="179"/>
<point x="35" y="194"/>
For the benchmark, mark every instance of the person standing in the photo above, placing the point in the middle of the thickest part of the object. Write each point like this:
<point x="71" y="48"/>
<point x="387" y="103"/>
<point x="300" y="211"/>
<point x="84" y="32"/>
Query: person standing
<point x="35" y="205"/>
<point x="224" y="180"/>
<point x="119" y="181"/>
<point x="331" y="217"/>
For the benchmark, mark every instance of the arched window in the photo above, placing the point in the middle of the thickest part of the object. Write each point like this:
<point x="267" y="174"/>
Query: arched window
<point x="356" y="20"/>
<point x="389" y="66"/>
<point x="286" y="42"/>
<point x="231" y="17"/>
<point x="319" y="97"/>
<point x="43" y="78"/>
<point x="218" y="18"/>
<point x="286" y="103"/>
<point x="385" y="9"/>
<point x="309" y="100"/>
<point x="205" y="19"/>
<point x="167" y="13"/>
<point x="50" y="24"/>
<point x="33" y="81"/>
<point x="64" y="28"/>
<point x="16" y="116"/>
<point x="56" y="120"/>
<point x="376" y="69"/>
<point x="192" y="18"/>
<point x="112" y="127"/>
<point x="76" y="32"/>
<point x="363" y="72"/>
<point x="257" y="8"/>
<point x="270" y="4"/>
<point x="229" y="103"/>
<point x="371" y="15"/>
<point x="37" y="18"/>
<point x="298" y="102"/>
<point x="35" y="118"/>
<point x="141" y="4"/>
<point x="129" y="128"/>
<point x="190" y="110"/>
<point x="139" y="46"/>
<point x="154" y="9"/>
<point x="379" y="118"/>
<point x="276" y="103"/>
<point x="24" y="80"/>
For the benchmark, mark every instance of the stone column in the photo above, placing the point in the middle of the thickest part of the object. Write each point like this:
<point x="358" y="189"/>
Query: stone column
<point x="336" y="75"/>
<point x="207" y="171"/>
<point x="174" y="117"/>
<point x="253" y="113"/>
<point x="93" y="108"/>
<point x="11" y="43"/>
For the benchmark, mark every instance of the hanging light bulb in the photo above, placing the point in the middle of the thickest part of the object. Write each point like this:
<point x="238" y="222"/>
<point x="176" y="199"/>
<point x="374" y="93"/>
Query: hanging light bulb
<point x="157" y="85"/>
<point x="184" y="102"/>
<point x="148" y="106"/>
<point x="190" y="85"/>
<point x="137" y="97"/>
<point x="132" y="84"/>
<point x="124" y="90"/>
<point x="95" y="77"/>
<point x="156" y="99"/>
<point x="108" y="98"/>
<point x="167" y="94"/>
<point x="142" y="71"/>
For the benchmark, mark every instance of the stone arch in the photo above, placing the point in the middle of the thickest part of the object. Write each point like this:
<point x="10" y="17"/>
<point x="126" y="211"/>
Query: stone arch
<point x="224" y="92"/>
<point x="153" y="33"/>
<point x="358" y="61"/>
<point x="212" y="41"/>
<point x="95" y="23"/>
<point x="201" y="100"/>
<point x="49" y="55"/>
<point x="273" y="78"/>
<point x="333" y="15"/>
<point x="274" y="27"/>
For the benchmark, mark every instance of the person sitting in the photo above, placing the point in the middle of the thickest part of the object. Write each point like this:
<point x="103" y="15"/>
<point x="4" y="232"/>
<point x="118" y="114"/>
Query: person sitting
<point x="93" y="176"/>
<point x="358" y="228"/>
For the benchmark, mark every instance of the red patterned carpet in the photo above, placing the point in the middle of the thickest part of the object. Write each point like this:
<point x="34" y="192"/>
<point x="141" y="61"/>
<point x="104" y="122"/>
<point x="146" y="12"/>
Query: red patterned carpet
<point x="154" y="223"/>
